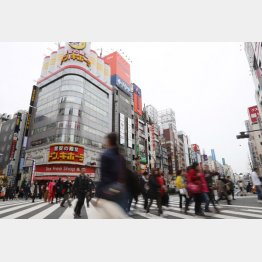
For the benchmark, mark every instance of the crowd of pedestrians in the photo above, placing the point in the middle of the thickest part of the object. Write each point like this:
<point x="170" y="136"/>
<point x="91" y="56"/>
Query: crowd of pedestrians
<point x="197" y="185"/>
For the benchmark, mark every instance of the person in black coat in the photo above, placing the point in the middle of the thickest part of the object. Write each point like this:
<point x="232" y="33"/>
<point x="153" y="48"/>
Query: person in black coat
<point x="80" y="188"/>
<point x="113" y="174"/>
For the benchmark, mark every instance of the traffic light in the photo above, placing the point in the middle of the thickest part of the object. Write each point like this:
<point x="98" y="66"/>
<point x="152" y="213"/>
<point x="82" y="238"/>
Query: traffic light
<point x="242" y="135"/>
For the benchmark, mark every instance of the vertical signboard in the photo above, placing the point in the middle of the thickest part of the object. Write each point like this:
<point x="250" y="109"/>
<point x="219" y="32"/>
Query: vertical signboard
<point x="253" y="114"/>
<point x="137" y="99"/>
<point x="129" y="128"/>
<point x="122" y="128"/>
<point x="223" y="161"/>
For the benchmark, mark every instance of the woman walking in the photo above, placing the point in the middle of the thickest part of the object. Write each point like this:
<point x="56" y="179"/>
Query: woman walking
<point x="195" y="187"/>
<point x="51" y="190"/>
<point x="181" y="186"/>
<point x="154" y="192"/>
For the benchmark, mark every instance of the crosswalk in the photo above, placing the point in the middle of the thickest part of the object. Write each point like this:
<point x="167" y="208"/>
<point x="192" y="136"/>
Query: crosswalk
<point x="22" y="209"/>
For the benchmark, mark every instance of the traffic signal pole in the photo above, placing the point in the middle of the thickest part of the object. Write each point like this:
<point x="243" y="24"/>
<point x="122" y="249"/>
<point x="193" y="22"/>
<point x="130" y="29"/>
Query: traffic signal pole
<point x="245" y="135"/>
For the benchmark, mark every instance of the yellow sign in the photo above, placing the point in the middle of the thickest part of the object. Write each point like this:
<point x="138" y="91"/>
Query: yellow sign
<point x="76" y="56"/>
<point x="77" y="45"/>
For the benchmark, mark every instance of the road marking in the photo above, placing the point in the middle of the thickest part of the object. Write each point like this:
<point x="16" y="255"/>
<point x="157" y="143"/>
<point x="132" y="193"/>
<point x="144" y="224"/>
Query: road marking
<point x="46" y="212"/>
<point x="23" y="212"/>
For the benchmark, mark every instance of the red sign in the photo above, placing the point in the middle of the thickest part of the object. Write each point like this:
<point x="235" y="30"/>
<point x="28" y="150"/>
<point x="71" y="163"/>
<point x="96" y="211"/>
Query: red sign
<point x="63" y="168"/>
<point x="119" y="66"/>
<point x="253" y="114"/>
<point x="195" y="148"/>
<point x="66" y="153"/>
<point x="13" y="147"/>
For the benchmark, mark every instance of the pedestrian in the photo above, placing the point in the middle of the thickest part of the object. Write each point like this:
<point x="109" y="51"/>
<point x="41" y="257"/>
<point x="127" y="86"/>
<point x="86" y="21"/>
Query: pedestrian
<point x="133" y="188"/>
<point x="91" y="188"/>
<point x="81" y="187"/>
<point x="27" y="190"/>
<point x="194" y="184"/>
<point x="3" y="192"/>
<point x="222" y="190"/>
<point x="51" y="191"/>
<point x="58" y="190"/>
<point x="67" y="188"/>
<point x="45" y="192"/>
<point x="143" y="181"/>
<point x="241" y="188"/>
<point x="230" y="187"/>
<point x="182" y="191"/>
<point x="34" y="191"/>
<point x="112" y="184"/>
<point x="209" y="177"/>
<point x="257" y="183"/>
<point x="154" y="192"/>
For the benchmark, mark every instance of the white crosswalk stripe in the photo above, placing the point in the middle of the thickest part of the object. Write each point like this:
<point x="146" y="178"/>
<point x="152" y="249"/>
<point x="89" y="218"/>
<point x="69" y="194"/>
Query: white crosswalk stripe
<point x="39" y="210"/>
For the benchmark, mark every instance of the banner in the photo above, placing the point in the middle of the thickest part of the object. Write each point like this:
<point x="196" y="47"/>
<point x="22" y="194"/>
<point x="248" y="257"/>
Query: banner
<point x="129" y="128"/>
<point x="66" y="153"/>
<point x="122" y="128"/>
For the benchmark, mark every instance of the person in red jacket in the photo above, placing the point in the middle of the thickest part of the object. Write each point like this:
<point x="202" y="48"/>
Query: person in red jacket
<point x="194" y="184"/>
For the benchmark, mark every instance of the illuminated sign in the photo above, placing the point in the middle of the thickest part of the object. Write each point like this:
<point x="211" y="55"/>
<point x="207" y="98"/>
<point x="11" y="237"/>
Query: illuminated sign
<point x="129" y="128"/>
<point x="77" y="45"/>
<point x="253" y="114"/>
<point x="66" y="153"/>
<point x="122" y="128"/>
<point x="79" y="56"/>
<point x="117" y="81"/>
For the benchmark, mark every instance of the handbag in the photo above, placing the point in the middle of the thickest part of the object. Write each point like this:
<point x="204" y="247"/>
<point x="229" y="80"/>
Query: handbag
<point x="104" y="209"/>
<point x="182" y="191"/>
<point x="194" y="188"/>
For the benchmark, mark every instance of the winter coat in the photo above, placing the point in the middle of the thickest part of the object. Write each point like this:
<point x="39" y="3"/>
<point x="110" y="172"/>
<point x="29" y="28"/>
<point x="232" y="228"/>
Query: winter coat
<point x="154" y="187"/>
<point x="180" y="182"/>
<point x="204" y="186"/>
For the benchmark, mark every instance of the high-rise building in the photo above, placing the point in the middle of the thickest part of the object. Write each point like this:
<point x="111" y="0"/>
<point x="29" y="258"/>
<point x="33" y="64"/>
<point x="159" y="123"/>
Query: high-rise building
<point x="72" y="114"/>
<point x="3" y="118"/>
<point x="11" y="142"/>
<point x="254" y="57"/>
<point x="152" y="114"/>
<point x="123" y="105"/>
<point x="255" y="137"/>
<point x="186" y="145"/>
<point x="168" y="131"/>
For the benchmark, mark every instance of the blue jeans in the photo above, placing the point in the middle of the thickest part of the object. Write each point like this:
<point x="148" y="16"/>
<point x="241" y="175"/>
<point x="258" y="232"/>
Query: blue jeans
<point x="206" y="200"/>
<point x="259" y="192"/>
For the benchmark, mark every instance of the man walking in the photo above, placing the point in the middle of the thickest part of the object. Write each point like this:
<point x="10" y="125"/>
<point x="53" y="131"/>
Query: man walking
<point x="80" y="187"/>
<point x="257" y="183"/>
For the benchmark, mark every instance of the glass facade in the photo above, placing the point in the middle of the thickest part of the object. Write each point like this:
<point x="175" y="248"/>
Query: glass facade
<point x="71" y="109"/>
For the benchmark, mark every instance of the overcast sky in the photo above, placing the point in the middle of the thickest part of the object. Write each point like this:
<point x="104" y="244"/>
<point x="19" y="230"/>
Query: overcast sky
<point x="207" y="84"/>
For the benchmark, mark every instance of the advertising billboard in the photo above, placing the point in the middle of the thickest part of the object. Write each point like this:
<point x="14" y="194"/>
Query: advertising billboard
<point x="137" y="100"/>
<point x="195" y="148"/>
<point x="122" y="128"/>
<point x="129" y="129"/>
<point x="63" y="168"/>
<point x="119" y="66"/>
<point x="118" y="82"/>
<point x="253" y="114"/>
<point x="66" y="153"/>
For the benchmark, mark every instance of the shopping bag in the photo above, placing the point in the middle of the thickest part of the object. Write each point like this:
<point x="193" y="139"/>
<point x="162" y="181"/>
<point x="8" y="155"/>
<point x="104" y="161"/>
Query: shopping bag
<point x="105" y="209"/>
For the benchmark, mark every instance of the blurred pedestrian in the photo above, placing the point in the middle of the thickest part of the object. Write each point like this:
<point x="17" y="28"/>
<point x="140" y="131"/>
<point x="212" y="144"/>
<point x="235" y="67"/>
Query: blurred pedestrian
<point x="257" y="183"/>
<point x="112" y="185"/>
<point x="91" y="188"/>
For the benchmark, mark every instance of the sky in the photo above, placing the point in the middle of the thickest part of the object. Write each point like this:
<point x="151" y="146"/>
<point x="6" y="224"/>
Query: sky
<point x="208" y="85"/>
